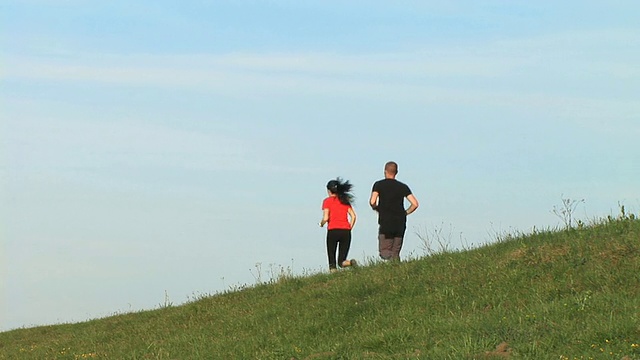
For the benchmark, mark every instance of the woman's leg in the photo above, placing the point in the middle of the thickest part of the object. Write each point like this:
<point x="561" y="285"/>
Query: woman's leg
<point x="332" y="244"/>
<point x="345" y="244"/>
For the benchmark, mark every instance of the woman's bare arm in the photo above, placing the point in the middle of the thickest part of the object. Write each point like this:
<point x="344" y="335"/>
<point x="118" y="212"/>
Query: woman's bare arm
<point x="325" y="217"/>
<point x="352" y="216"/>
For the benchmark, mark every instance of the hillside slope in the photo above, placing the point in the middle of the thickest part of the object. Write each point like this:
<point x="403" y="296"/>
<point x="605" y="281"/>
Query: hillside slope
<point x="570" y="294"/>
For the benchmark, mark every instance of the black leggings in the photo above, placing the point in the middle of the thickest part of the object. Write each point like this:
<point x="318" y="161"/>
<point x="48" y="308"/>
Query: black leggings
<point x="335" y="237"/>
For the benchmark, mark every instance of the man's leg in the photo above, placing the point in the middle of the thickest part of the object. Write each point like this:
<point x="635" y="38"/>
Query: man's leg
<point x="385" y="246"/>
<point x="396" y="247"/>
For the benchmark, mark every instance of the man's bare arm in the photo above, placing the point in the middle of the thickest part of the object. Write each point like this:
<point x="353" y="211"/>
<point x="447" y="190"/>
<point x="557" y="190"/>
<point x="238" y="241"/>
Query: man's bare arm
<point x="373" y="201"/>
<point x="414" y="204"/>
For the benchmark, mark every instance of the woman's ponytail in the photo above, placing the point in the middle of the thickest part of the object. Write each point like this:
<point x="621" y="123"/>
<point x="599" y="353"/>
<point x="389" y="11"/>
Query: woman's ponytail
<point x="342" y="189"/>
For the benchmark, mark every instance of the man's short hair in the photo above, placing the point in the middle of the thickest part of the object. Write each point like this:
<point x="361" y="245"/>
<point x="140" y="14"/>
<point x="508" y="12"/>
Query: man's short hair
<point x="391" y="167"/>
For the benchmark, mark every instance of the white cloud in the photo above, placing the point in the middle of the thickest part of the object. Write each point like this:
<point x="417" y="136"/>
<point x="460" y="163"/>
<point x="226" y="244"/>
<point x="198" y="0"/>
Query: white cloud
<point x="75" y="143"/>
<point x="457" y="74"/>
<point x="55" y="144"/>
<point x="254" y="70"/>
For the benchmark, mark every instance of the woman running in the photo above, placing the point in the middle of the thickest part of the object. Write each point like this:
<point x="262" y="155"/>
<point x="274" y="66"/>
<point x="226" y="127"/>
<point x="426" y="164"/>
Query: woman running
<point x="338" y="213"/>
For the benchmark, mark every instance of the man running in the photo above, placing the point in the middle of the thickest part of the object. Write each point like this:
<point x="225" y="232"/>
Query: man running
<point x="387" y="198"/>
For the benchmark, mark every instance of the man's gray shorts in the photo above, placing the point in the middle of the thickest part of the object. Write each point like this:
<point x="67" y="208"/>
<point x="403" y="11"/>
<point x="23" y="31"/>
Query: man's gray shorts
<point x="389" y="247"/>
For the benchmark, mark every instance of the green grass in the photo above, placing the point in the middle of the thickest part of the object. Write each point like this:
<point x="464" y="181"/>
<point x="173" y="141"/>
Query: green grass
<point x="565" y="294"/>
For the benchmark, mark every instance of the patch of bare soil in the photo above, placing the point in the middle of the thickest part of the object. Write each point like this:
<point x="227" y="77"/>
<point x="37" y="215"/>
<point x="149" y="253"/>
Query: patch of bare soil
<point x="502" y="351"/>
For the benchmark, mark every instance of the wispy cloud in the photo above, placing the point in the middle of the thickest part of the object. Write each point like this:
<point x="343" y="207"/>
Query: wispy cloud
<point x="63" y="145"/>
<point x="57" y="143"/>
<point x="451" y="73"/>
<point x="251" y="71"/>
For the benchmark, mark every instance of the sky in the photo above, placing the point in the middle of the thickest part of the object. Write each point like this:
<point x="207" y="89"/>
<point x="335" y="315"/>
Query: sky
<point x="153" y="152"/>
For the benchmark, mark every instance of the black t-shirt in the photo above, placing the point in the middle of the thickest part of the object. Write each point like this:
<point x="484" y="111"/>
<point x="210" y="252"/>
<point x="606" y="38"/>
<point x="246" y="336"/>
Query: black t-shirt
<point x="392" y="216"/>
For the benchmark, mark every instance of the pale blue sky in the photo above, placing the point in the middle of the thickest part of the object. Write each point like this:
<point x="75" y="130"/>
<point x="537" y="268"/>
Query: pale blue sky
<point x="162" y="146"/>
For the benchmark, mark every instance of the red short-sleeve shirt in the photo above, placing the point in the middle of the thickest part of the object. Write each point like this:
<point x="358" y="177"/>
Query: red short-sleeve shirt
<point x="338" y="213"/>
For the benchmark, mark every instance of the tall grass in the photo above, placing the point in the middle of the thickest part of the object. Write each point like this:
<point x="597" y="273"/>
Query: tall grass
<point x="564" y="294"/>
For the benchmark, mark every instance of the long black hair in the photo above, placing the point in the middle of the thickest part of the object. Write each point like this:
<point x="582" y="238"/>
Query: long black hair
<point x="342" y="189"/>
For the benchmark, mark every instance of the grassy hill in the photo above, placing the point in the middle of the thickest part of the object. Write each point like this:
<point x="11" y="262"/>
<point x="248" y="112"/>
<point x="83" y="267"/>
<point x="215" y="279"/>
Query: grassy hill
<point x="566" y="294"/>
